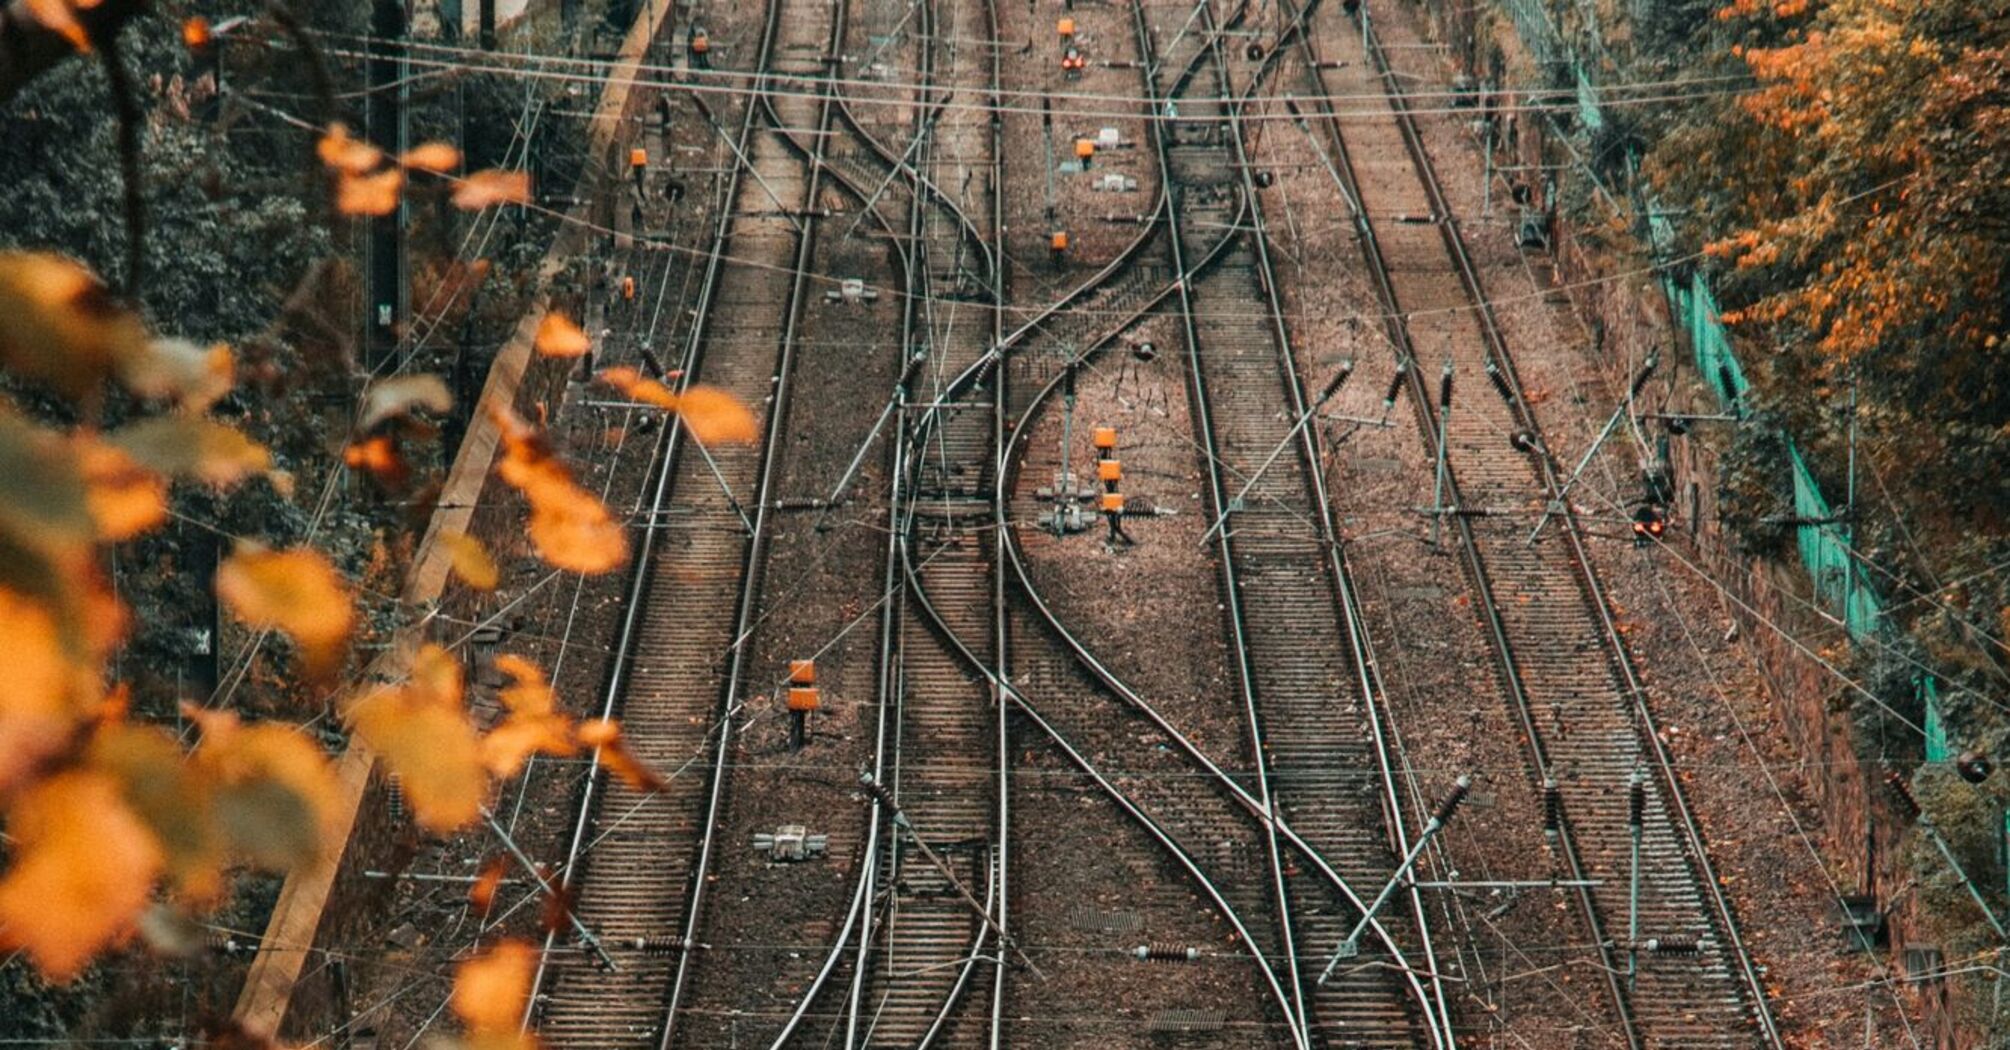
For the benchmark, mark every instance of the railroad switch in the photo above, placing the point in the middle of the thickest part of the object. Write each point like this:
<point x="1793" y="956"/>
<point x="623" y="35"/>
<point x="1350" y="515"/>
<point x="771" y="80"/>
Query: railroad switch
<point x="791" y="843"/>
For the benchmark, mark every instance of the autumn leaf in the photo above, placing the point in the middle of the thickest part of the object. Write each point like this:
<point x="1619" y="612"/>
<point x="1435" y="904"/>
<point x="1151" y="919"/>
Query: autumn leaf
<point x="421" y="731"/>
<point x="378" y="456"/>
<point x="192" y="446"/>
<point x="63" y="326"/>
<point x="715" y="416"/>
<point x="124" y="498"/>
<point x="375" y="194"/>
<point x="557" y="336"/>
<point x="492" y="989"/>
<point x="492" y="186"/>
<point x="571" y="528"/>
<point x="638" y="387"/>
<point x="192" y="376"/>
<point x="60" y="17"/>
<point x="435" y="157"/>
<point x="275" y="792"/>
<point x="83" y="869"/>
<point x="534" y="725"/>
<point x="712" y="415"/>
<point x="470" y="560"/>
<point x="401" y="396"/>
<point x="296" y="591"/>
<point x="47" y="687"/>
<point x="482" y="892"/>
<point x="345" y="154"/>
<point x="604" y="734"/>
<point x="172" y="795"/>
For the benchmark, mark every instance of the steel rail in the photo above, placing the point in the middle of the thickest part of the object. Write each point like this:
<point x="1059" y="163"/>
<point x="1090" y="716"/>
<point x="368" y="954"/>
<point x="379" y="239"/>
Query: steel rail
<point x="1297" y="1012"/>
<point x="1121" y="689"/>
<point x="1594" y="592"/>
<point x="858" y="918"/>
<point x="1619" y="658"/>
<point x="757" y="545"/>
<point x="1347" y="600"/>
<point x="1027" y="330"/>
<point x="669" y="449"/>
<point x="1420" y="398"/>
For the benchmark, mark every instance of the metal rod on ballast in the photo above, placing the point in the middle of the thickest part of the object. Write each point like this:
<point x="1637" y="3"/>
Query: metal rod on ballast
<point x="883" y="797"/>
<point x="586" y="936"/>
<point x="1556" y="505"/>
<point x="1351" y="946"/>
<point x="1311" y="412"/>
<point x="1444" y="420"/>
<point x="858" y="460"/>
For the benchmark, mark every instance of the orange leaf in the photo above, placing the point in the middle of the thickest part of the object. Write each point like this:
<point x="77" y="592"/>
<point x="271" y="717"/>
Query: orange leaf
<point x="296" y="591"/>
<point x="432" y="156"/>
<point x="533" y="726"/>
<point x="492" y="989"/>
<point x="422" y="733"/>
<point x="124" y="498"/>
<point x="557" y="336"/>
<point x="63" y="327"/>
<point x="369" y="194"/>
<point x="195" y="33"/>
<point x="604" y="734"/>
<point x="492" y="186"/>
<point x="60" y="17"/>
<point x="275" y="792"/>
<point x="571" y="528"/>
<point x="192" y="445"/>
<point x="84" y="867"/>
<point x="482" y="893"/>
<point x="471" y="561"/>
<point x="350" y="156"/>
<point x="47" y="687"/>
<point x="640" y="388"/>
<point x="715" y="416"/>
<point x="379" y="456"/>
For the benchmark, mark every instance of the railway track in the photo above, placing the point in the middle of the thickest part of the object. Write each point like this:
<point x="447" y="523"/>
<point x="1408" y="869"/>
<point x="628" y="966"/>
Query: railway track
<point x="932" y="968"/>
<point x="1563" y="665"/>
<point x="637" y="861"/>
<point x="1297" y="643"/>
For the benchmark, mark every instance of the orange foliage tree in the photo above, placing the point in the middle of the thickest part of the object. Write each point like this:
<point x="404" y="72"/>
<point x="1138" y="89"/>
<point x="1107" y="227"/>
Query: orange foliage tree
<point x="1859" y="197"/>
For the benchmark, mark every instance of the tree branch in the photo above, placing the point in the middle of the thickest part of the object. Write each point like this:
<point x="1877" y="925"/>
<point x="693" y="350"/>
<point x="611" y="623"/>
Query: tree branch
<point x="28" y="48"/>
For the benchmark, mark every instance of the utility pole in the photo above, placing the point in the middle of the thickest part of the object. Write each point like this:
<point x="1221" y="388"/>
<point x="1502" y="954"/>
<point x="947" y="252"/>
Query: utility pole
<point x="385" y="304"/>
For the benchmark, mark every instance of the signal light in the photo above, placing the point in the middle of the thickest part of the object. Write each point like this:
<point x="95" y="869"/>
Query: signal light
<point x="1649" y="522"/>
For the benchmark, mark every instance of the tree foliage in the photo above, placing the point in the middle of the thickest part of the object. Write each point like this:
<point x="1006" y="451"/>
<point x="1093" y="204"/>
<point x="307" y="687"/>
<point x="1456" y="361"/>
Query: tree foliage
<point x="1859" y="196"/>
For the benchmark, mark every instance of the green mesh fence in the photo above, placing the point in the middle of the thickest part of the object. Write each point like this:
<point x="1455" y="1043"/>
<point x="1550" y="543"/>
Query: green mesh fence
<point x="1824" y="542"/>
